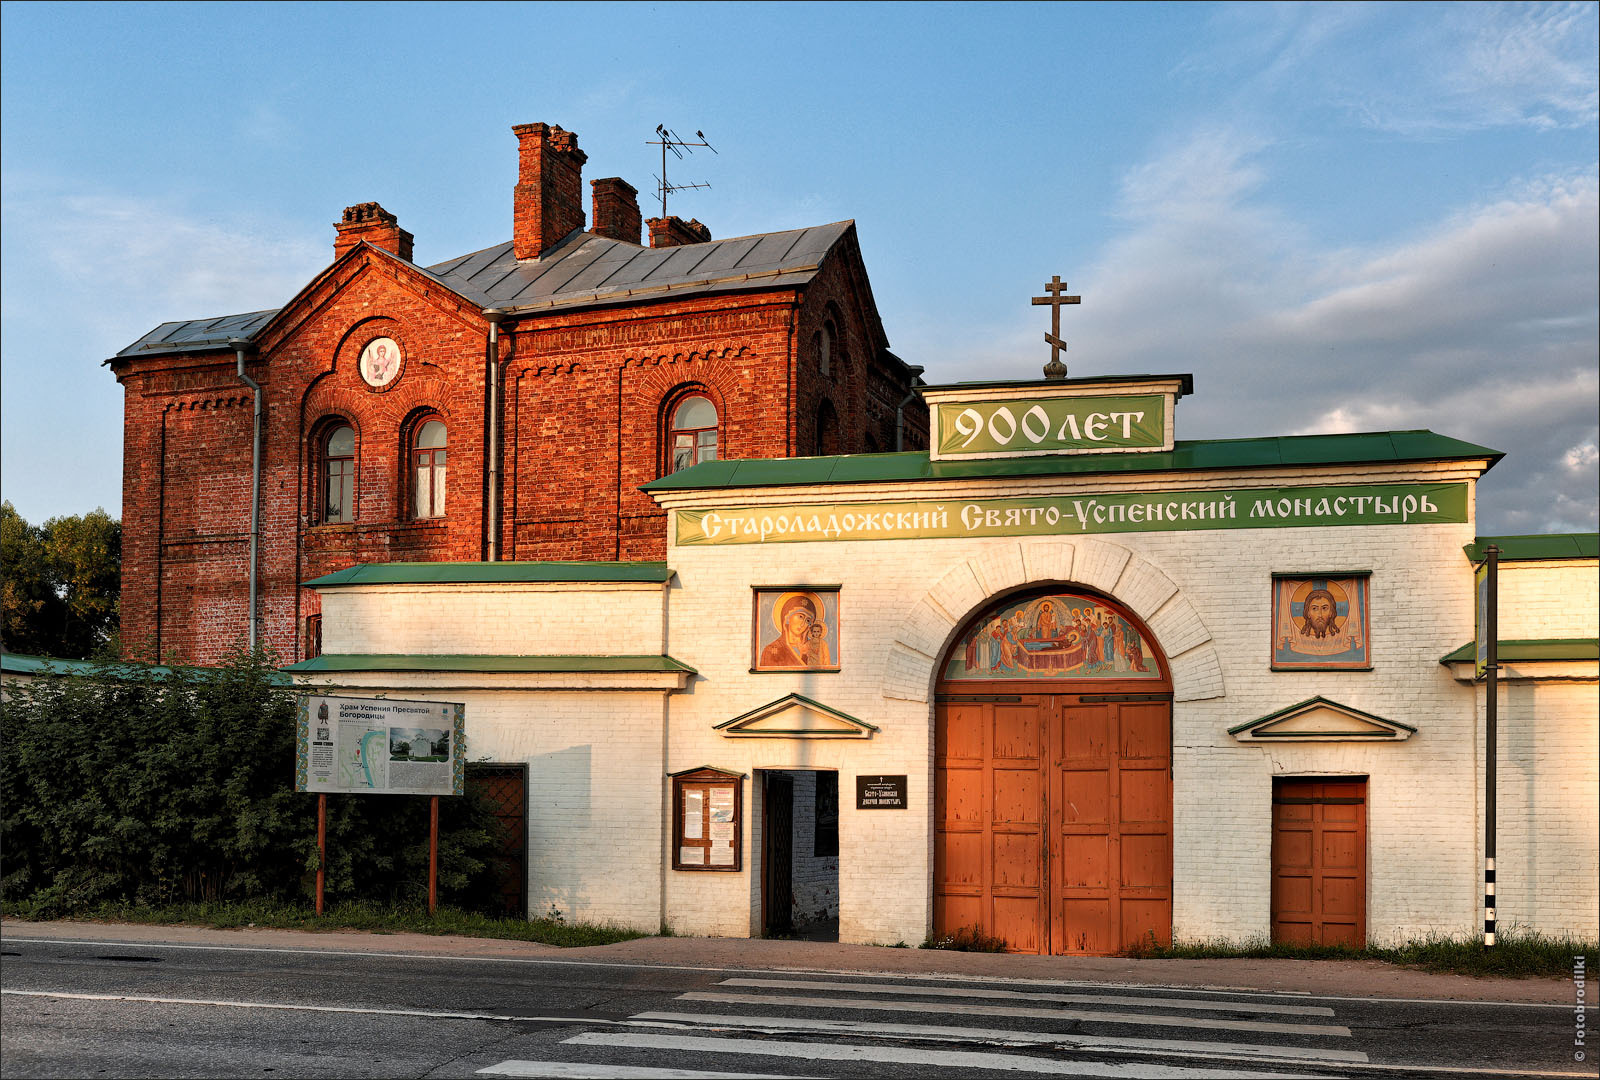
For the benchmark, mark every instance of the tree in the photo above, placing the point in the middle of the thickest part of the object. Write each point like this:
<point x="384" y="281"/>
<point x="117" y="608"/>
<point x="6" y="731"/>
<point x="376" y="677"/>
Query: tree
<point x="159" y="785"/>
<point x="62" y="582"/>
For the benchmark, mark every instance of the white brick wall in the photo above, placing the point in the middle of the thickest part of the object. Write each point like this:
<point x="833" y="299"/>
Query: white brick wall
<point x="1548" y="599"/>
<point x="622" y="619"/>
<point x="595" y="788"/>
<point x="902" y="601"/>
<point x="1547" y="866"/>
<point x="599" y="758"/>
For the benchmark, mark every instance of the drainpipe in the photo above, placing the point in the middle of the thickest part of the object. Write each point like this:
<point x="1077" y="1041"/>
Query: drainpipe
<point x="492" y="375"/>
<point x="240" y="347"/>
<point x="900" y="409"/>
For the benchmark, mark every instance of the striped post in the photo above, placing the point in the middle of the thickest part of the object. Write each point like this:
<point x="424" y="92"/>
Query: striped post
<point x="1488" y="901"/>
<point x="1491" y="723"/>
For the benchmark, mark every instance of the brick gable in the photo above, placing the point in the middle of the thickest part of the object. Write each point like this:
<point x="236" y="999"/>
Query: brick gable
<point x="584" y="398"/>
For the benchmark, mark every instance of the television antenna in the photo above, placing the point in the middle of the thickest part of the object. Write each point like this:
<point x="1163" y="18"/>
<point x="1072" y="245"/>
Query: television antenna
<point x="668" y="139"/>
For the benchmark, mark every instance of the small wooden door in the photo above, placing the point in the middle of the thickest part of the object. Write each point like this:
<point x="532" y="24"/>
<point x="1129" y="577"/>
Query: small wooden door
<point x="777" y="855"/>
<point x="1319" y="861"/>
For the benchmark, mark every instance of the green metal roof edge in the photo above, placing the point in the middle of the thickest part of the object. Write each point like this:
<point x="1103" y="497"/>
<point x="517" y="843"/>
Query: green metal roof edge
<point x="1186" y="456"/>
<point x="1318" y="700"/>
<point x="329" y="663"/>
<point x="732" y="775"/>
<point x="1185" y="380"/>
<point x="24" y="664"/>
<point x="774" y="705"/>
<point x="453" y="573"/>
<point x="1528" y="547"/>
<point x="1524" y="649"/>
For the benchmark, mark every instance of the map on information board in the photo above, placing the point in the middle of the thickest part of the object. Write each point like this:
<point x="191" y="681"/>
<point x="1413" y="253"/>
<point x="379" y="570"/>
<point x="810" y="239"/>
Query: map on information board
<point x="381" y="746"/>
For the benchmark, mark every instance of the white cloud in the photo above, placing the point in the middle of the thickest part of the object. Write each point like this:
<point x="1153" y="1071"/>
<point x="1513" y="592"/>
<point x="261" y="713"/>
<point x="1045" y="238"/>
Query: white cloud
<point x="1415" y="69"/>
<point x="1582" y="458"/>
<point x="87" y="273"/>
<point x="140" y="256"/>
<point x="1483" y="327"/>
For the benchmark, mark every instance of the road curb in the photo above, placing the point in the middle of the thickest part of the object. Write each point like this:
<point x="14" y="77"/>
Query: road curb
<point x="1329" y="978"/>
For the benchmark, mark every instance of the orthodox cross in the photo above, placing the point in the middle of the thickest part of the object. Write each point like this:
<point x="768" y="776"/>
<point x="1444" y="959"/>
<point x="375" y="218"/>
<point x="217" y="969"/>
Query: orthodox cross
<point x="1055" y="369"/>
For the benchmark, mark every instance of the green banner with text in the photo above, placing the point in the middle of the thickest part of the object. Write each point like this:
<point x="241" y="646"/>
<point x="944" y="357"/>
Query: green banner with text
<point x="1051" y="425"/>
<point x="1069" y="515"/>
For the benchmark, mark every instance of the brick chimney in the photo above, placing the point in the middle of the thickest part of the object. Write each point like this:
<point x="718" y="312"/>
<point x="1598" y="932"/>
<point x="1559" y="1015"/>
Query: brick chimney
<point x="674" y="232"/>
<point x="547" y="202"/>
<point x="370" y="222"/>
<point x="616" y="209"/>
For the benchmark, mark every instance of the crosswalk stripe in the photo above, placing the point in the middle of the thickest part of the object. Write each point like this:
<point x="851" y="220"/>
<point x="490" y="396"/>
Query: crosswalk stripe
<point x="898" y="1055"/>
<point x="1018" y="995"/>
<point x="1104" y="1043"/>
<point x="579" y="1070"/>
<point x="1143" y="1019"/>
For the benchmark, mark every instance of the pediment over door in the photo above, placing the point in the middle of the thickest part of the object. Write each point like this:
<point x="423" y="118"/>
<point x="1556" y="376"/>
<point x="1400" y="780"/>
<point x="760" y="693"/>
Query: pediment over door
<point x="1321" y="720"/>
<point x="796" y="717"/>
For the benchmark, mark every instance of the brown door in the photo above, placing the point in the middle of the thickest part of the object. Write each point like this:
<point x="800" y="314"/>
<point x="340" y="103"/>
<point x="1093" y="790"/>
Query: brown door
<point x="990" y="761"/>
<point x="505" y="789"/>
<point x="1111" y="862"/>
<point x="1319" y="862"/>
<point x="1053" y="820"/>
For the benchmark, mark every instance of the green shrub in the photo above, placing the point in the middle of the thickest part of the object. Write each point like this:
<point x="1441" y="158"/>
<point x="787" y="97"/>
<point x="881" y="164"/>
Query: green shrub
<point x="158" y="786"/>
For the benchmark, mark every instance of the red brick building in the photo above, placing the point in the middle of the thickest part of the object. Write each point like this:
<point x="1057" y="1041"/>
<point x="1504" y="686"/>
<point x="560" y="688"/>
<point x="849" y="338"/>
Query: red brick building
<point x="506" y="404"/>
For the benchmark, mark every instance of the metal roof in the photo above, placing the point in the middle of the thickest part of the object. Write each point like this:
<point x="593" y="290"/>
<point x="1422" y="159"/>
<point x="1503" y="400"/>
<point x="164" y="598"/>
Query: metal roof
<point x="1355" y="449"/>
<point x="1534" y="546"/>
<point x="1185" y="383"/>
<point x="587" y="269"/>
<point x="1530" y="649"/>
<point x="21" y="665"/>
<point x="451" y="573"/>
<point x="561" y="665"/>
<point x="197" y="335"/>
<point x="582" y="271"/>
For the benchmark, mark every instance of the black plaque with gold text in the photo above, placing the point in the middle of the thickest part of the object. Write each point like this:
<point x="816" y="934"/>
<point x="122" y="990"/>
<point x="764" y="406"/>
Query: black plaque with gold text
<point x="881" y="792"/>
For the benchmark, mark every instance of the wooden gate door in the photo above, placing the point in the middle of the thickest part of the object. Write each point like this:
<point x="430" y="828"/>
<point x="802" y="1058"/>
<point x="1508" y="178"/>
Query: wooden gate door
<point x="990" y="759"/>
<point x="1111" y="826"/>
<point x="1319" y="862"/>
<point x="1053" y="819"/>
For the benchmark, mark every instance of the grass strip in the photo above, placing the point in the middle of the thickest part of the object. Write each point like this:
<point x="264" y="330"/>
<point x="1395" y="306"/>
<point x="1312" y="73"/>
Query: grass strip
<point x="1517" y="954"/>
<point x="366" y="917"/>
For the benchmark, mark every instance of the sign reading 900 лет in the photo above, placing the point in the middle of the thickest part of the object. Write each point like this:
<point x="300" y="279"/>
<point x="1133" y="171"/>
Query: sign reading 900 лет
<point x="381" y="746"/>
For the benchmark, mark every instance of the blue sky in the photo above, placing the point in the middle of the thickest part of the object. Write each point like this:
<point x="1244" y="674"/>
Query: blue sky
<point x="1338" y="218"/>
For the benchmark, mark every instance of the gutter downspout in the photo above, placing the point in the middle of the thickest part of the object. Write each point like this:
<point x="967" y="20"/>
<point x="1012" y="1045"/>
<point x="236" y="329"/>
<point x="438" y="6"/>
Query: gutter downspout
<point x="900" y="409"/>
<point x="492" y="376"/>
<point x="240" y="347"/>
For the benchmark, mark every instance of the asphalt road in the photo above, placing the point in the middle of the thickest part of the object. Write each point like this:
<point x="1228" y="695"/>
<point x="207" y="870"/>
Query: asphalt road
<point x="102" y="1008"/>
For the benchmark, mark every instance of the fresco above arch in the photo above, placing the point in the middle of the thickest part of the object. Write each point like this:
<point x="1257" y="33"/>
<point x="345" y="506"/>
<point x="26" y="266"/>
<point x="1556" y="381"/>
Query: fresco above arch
<point x="1054" y="636"/>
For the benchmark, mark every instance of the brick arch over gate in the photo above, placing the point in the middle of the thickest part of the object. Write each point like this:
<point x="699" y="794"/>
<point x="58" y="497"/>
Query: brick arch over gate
<point x="929" y="627"/>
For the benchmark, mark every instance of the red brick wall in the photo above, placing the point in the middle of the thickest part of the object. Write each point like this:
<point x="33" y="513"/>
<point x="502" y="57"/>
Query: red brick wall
<point x="585" y="399"/>
<point x="862" y="386"/>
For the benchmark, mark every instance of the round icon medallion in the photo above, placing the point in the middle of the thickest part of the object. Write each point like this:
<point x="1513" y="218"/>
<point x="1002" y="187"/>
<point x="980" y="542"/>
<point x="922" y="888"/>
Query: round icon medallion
<point x="380" y="362"/>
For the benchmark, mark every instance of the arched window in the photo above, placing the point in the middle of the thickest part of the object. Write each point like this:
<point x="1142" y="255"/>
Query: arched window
<point x="825" y="338"/>
<point x="427" y="469"/>
<point x="693" y="433"/>
<point x="338" y="487"/>
<point x="827" y="430"/>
